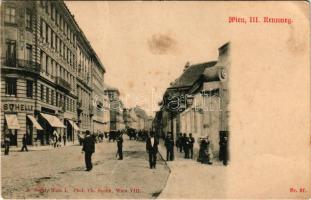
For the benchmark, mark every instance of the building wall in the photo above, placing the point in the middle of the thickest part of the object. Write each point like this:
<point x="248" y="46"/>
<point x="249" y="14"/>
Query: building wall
<point x="48" y="41"/>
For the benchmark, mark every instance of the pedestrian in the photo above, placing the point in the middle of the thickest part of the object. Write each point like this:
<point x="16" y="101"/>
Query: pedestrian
<point x="204" y="154"/>
<point x="186" y="145"/>
<point x="64" y="139"/>
<point x="120" y="145"/>
<point x="24" y="142"/>
<point x="224" y="149"/>
<point x="181" y="142"/>
<point x="89" y="149"/>
<point x="55" y="138"/>
<point x="7" y="142"/>
<point x="191" y="141"/>
<point x="177" y="143"/>
<point x="152" y="149"/>
<point x="169" y="144"/>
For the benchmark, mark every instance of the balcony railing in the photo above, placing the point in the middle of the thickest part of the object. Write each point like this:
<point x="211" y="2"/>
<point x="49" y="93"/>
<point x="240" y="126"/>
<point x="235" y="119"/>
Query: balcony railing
<point x="20" y="64"/>
<point x="63" y="83"/>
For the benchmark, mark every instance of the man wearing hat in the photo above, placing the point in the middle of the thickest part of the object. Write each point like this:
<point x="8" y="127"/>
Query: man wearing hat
<point x="152" y="148"/>
<point x="169" y="144"/>
<point x="120" y="145"/>
<point x="89" y="149"/>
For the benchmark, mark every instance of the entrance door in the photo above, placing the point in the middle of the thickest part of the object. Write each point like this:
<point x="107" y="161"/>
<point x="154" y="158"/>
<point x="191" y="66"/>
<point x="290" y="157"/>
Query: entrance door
<point x="13" y="137"/>
<point x="69" y="131"/>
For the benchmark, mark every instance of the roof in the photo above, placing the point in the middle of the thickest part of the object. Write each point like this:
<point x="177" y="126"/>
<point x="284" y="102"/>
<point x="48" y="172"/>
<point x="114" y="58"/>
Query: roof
<point x="191" y="74"/>
<point x="85" y="40"/>
<point x="140" y="112"/>
<point x="109" y="87"/>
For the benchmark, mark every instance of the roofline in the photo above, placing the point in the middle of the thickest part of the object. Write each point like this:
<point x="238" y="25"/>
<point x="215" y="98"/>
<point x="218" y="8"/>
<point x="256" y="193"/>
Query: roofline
<point x="84" y="37"/>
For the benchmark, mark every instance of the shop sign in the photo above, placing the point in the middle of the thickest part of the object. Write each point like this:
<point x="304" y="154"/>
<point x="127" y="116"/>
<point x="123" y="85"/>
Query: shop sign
<point x="16" y="107"/>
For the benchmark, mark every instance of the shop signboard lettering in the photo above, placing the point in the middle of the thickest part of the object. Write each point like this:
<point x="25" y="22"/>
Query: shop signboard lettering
<point x="17" y="107"/>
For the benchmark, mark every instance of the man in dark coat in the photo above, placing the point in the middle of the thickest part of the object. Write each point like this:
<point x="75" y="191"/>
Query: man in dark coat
<point x="152" y="148"/>
<point x="7" y="142"/>
<point x="64" y="139"/>
<point x="186" y="145"/>
<point x="224" y="150"/>
<point x="191" y="141"/>
<point x="24" y="147"/>
<point x="169" y="144"/>
<point x="180" y="142"/>
<point x="89" y="149"/>
<point x="120" y="145"/>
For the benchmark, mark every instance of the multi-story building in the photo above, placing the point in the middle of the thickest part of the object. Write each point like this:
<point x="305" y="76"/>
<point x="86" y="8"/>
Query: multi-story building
<point x="98" y="72"/>
<point x="130" y="118"/>
<point x="197" y="102"/>
<point x="116" y="108"/>
<point x="141" y="118"/>
<point x="46" y="65"/>
<point x="106" y="108"/>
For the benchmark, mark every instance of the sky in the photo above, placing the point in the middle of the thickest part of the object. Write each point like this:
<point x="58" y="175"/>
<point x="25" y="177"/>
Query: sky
<point x="145" y="45"/>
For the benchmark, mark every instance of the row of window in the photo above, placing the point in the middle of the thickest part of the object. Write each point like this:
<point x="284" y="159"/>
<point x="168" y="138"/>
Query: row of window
<point x="10" y="17"/>
<point x="53" y="68"/>
<point x="11" y="87"/>
<point x="55" y="42"/>
<point x="59" y="20"/>
<point x="85" y="119"/>
<point x="84" y="96"/>
<point x="49" y="96"/>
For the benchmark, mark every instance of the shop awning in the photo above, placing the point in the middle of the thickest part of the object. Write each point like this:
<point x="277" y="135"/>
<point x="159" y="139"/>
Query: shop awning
<point x="12" y="121"/>
<point x="34" y="122"/>
<point x="74" y="125"/>
<point x="53" y="121"/>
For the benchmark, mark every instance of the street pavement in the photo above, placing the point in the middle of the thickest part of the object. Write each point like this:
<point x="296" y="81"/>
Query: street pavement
<point x="195" y="180"/>
<point x="59" y="173"/>
<point x="247" y="178"/>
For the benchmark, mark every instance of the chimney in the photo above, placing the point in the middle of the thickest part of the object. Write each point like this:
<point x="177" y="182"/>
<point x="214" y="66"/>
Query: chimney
<point x="187" y="64"/>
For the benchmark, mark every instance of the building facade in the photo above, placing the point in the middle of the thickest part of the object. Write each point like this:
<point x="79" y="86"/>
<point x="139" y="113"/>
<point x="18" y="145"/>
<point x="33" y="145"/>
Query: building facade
<point x="46" y="65"/>
<point x="197" y="102"/>
<point x="116" y="108"/>
<point x="106" y="109"/>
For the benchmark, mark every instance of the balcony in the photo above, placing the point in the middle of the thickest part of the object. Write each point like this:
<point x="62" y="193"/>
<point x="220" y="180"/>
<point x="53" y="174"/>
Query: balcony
<point x="23" y="65"/>
<point x="62" y="83"/>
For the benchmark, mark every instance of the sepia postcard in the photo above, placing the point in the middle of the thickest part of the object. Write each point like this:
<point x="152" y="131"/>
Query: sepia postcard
<point x="155" y="99"/>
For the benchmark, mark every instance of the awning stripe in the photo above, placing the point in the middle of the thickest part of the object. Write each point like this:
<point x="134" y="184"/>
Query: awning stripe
<point x="35" y="122"/>
<point x="53" y="121"/>
<point x="74" y="125"/>
<point x="12" y="121"/>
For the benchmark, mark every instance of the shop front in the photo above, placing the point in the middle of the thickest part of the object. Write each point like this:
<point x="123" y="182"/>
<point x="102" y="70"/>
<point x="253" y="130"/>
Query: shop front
<point x="71" y="130"/>
<point x="50" y="123"/>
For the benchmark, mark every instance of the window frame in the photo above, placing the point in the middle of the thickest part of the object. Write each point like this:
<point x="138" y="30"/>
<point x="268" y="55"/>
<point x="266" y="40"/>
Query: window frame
<point x="29" y="89"/>
<point x="11" y="90"/>
<point x="28" y="21"/>
<point x="10" y="15"/>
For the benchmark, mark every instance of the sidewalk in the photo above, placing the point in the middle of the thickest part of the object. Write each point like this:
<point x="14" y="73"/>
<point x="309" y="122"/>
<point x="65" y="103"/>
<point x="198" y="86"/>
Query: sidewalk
<point x="38" y="148"/>
<point x="191" y="179"/>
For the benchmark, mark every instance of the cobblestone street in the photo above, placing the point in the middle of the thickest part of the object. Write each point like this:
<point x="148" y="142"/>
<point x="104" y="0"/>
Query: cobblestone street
<point x="59" y="173"/>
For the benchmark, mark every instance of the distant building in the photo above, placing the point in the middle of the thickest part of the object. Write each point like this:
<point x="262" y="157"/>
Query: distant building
<point x="106" y="109"/>
<point x="116" y="108"/>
